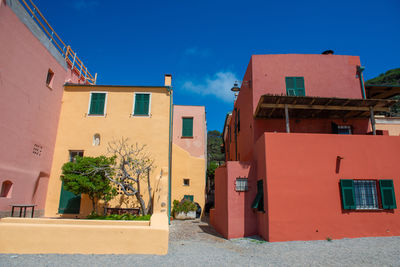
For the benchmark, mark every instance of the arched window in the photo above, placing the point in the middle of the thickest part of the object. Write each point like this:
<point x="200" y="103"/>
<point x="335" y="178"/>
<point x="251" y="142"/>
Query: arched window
<point x="96" y="139"/>
<point x="6" y="189"/>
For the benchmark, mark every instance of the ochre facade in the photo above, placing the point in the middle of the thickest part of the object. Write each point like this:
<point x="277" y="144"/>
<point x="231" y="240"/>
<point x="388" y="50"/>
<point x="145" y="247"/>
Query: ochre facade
<point x="77" y="129"/>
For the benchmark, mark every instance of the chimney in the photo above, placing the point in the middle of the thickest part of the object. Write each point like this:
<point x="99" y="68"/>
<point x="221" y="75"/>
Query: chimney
<point x="328" y="52"/>
<point x="167" y="80"/>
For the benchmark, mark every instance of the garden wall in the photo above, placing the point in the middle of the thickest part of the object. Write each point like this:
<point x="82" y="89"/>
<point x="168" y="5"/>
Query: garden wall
<point x="71" y="236"/>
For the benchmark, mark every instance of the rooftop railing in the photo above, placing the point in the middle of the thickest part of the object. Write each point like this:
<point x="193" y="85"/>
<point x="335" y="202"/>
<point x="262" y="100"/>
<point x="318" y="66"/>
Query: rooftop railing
<point x="70" y="56"/>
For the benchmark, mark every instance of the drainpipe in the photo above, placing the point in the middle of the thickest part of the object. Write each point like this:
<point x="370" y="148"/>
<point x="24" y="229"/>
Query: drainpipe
<point x="169" y="89"/>
<point x="360" y="70"/>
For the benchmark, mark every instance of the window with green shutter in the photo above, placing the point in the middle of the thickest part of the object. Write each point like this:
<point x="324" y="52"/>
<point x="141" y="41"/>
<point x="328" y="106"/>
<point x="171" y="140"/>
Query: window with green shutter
<point x="187" y="127"/>
<point x="295" y="86"/>
<point x="188" y="197"/>
<point x="142" y="104"/>
<point x="258" y="202"/>
<point x="348" y="197"/>
<point x="387" y="194"/>
<point x="97" y="103"/>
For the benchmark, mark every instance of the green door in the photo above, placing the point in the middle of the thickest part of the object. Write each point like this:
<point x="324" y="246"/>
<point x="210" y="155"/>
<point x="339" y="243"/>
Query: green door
<point x="69" y="202"/>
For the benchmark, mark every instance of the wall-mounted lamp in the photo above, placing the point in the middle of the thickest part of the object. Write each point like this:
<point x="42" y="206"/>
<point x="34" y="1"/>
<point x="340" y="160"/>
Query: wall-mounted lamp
<point x="235" y="87"/>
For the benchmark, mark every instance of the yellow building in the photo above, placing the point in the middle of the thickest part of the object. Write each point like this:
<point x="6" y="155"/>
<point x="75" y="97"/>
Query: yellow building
<point x="94" y="115"/>
<point x="189" y="154"/>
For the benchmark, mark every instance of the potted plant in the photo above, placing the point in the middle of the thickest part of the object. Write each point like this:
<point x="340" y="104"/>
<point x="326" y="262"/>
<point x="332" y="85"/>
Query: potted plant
<point x="184" y="209"/>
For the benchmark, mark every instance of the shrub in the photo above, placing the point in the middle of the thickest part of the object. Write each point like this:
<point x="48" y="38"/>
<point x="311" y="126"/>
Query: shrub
<point x="184" y="205"/>
<point x="125" y="217"/>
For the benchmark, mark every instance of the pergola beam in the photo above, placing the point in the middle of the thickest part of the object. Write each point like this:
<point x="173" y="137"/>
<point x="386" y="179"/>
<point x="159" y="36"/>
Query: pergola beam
<point x="323" y="107"/>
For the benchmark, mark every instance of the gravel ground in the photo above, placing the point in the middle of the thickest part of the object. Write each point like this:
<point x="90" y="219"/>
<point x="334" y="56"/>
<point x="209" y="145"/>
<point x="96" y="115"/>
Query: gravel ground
<point x="195" y="243"/>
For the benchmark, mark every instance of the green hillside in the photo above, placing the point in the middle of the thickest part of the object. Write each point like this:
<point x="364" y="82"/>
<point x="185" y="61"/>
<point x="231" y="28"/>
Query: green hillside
<point x="391" y="77"/>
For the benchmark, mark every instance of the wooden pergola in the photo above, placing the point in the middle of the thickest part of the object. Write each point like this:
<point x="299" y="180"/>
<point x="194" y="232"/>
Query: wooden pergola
<point x="278" y="106"/>
<point x="382" y="91"/>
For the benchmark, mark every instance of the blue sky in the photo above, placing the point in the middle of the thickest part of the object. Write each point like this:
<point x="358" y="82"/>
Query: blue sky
<point x="206" y="45"/>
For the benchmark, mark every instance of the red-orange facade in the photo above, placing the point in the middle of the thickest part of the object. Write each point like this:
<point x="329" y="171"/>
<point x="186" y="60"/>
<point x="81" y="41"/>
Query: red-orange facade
<point x="308" y="176"/>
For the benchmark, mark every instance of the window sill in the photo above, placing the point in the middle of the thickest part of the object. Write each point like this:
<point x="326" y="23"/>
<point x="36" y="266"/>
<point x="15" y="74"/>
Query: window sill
<point x="366" y="210"/>
<point x="96" y="115"/>
<point x="141" y="116"/>
<point x="48" y="86"/>
<point x="187" y="137"/>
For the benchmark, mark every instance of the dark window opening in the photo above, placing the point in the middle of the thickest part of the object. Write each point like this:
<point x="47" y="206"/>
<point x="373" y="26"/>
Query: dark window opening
<point x="74" y="153"/>
<point x="6" y="189"/>
<point x="186" y="182"/>
<point x="49" y="78"/>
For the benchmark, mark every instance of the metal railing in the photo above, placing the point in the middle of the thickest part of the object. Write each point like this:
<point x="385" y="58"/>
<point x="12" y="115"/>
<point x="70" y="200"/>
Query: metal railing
<point x="73" y="62"/>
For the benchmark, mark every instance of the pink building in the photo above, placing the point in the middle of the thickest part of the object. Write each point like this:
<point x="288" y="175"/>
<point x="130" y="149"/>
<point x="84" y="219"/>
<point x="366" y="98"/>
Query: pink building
<point x="303" y="158"/>
<point x="34" y="71"/>
<point x="189" y="154"/>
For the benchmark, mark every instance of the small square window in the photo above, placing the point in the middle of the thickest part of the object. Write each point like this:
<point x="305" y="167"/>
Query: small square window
<point x="186" y="182"/>
<point x="344" y="129"/>
<point x="49" y="78"/>
<point x="74" y="153"/>
<point x="241" y="184"/>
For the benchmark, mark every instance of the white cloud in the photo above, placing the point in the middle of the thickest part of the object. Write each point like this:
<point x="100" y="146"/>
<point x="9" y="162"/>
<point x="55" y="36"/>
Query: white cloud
<point x="219" y="85"/>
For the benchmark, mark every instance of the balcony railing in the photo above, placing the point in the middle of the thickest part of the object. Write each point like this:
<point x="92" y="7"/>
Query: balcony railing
<point x="73" y="62"/>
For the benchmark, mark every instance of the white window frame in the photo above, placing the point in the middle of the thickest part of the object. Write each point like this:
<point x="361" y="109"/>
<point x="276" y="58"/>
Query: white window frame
<point x="361" y="190"/>
<point x="240" y="187"/>
<point x="105" y="104"/>
<point x="134" y="102"/>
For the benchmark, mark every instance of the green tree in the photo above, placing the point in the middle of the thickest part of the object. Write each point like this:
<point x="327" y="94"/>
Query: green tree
<point x="88" y="175"/>
<point x="215" y="157"/>
<point x="214" y="144"/>
<point x="391" y="77"/>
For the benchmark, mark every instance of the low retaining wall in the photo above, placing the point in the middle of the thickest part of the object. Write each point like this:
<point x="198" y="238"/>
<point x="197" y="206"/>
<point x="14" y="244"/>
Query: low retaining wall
<point x="81" y="236"/>
<point x="66" y="236"/>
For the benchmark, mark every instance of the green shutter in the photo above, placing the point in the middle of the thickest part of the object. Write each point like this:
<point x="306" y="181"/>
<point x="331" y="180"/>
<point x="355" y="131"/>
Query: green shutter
<point x="387" y="194"/>
<point x="348" y="197"/>
<point x="188" y="197"/>
<point x="97" y="102"/>
<point x="290" y="86"/>
<point x="258" y="202"/>
<point x="142" y="104"/>
<point x="187" y="127"/>
<point x="300" y="90"/>
<point x="295" y="86"/>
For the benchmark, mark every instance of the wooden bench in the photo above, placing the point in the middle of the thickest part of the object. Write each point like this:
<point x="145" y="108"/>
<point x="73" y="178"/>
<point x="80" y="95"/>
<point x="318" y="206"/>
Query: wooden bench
<point x="120" y="211"/>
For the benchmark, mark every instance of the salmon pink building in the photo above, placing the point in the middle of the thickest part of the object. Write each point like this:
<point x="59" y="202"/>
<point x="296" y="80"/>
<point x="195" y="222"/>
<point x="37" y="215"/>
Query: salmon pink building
<point x="304" y="160"/>
<point x="35" y="64"/>
<point x="189" y="154"/>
